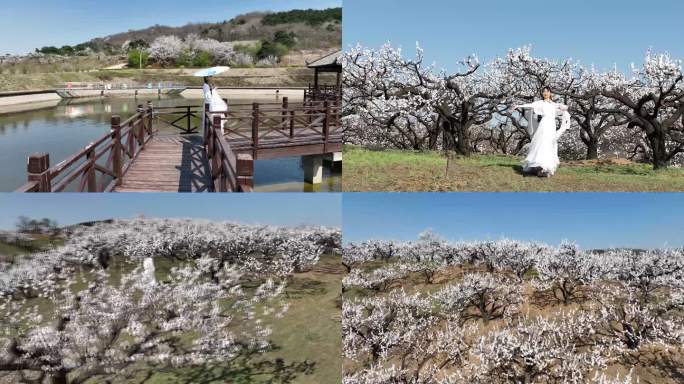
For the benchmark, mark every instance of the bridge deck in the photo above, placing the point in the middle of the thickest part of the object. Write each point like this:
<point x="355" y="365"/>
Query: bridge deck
<point x="169" y="164"/>
<point x="135" y="157"/>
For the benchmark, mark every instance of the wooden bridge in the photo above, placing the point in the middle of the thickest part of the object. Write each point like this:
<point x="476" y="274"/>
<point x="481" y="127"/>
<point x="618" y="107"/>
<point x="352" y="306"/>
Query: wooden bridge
<point x="217" y="157"/>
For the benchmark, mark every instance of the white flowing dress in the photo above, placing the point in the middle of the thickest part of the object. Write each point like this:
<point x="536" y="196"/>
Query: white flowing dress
<point x="217" y="105"/>
<point x="206" y="92"/>
<point x="543" y="149"/>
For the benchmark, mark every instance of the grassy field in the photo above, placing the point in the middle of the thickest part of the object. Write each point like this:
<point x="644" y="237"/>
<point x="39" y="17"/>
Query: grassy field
<point x="394" y="170"/>
<point x="37" y="242"/>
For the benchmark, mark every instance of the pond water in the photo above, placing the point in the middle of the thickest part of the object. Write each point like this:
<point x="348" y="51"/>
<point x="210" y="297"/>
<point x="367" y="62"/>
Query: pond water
<point x="66" y="128"/>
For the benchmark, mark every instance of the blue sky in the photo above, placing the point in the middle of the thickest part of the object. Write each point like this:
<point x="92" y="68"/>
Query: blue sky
<point x="31" y="24"/>
<point x="256" y="208"/>
<point x="602" y="32"/>
<point x="593" y="220"/>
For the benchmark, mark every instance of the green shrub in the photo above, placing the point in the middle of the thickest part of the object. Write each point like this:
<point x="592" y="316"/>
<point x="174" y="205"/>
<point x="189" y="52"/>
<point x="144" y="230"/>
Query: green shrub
<point x="184" y="59"/>
<point x="311" y="17"/>
<point x="49" y="50"/>
<point x="250" y="49"/>
<point x="269" y="48"/>
<point x="138" y="44"/>
<point x="202" y="59"/>
<point x="135" y="57"/>
<point x="288" y="39"/>
<point x="67" y="50"/>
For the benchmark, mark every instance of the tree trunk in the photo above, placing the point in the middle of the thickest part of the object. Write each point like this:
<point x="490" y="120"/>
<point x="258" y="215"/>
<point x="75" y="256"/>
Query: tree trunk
<point x="657" y="142"/>
<point x="448" y="139"/>
<point x="59" y="377"/>
<point x="463" y="144"/>
<point x="592" y="149"/>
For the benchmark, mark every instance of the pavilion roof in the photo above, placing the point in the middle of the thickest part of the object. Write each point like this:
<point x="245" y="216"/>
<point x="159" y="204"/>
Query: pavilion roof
<point x="331" y="60"/>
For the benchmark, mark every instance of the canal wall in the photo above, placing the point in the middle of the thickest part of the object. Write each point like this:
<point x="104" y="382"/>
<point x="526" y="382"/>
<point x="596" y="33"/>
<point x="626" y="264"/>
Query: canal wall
<point x="20" y="101"/>
<point x="11" y="102"/>
<point x="261" y="93"/>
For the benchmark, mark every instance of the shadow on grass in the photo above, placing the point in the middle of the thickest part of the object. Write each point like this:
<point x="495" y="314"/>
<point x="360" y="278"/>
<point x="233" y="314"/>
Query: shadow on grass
<point x="517" y="168"/>
<point x="301" y="287"/>
<point x="248" y="367"/>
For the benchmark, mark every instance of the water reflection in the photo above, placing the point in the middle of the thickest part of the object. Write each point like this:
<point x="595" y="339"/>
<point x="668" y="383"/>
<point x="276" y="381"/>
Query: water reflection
<point x="66" y="128"/>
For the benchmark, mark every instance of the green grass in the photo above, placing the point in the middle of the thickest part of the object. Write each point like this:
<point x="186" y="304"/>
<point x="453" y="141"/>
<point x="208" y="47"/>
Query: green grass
<point x="10" y="250"/>
<point x="37" y="242"/>
<point x="396" y="170"/>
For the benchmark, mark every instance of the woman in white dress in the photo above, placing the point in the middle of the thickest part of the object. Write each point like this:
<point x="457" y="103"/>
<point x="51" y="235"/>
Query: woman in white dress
<point x="542" y="157"/>
<point x="206" y="93"/>
<point x="217" y="105"/>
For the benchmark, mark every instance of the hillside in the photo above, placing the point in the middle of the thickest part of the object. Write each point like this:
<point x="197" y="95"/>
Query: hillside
<point x="314" y="29"/>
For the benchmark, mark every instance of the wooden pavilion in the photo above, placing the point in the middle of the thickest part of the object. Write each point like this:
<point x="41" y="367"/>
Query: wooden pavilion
<point x="330" y="63"/>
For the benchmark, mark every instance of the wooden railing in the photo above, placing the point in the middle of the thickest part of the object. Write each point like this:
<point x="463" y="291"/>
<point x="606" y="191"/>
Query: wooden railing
<point x="263" y="126"/>
<point x="229" y="171"/>
<point x="323" y="92"/>
<point x="233" y="139"/>
<point x="100" y="166"/>
<point x="180" y="114"/>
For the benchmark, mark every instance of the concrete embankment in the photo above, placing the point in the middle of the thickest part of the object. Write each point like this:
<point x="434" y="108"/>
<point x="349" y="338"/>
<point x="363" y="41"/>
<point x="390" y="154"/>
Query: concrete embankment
<point x="293" y="93"/>
<point x="20" y="101"/>
<point x="11" y="102"/>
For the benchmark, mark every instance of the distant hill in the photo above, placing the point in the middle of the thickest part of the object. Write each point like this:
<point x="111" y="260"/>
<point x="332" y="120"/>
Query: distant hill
<point x="314" y="29"/>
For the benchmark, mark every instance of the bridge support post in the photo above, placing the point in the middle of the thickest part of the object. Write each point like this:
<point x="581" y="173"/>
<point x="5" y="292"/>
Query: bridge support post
<point x="189" y="122"/>
<point x="335" y="157"/>
<point x="206" y="128"/>
<point x="91" y="177"/>
<point x="326" y="126"/>
<point x="313" y="169"/>
<point x="150" y="114"/>
<point x="283" y="122"/>
<point x="245" y="172"/>
<point x="140" y="133"/>
<point x="255" y="128"/>
<point x="38" y="165"/>
<point x="116" y="150"/>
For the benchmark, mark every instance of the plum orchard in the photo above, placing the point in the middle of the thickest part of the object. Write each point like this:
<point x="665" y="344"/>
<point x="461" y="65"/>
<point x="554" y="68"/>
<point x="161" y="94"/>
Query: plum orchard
<point x="95" y="307"/>
<point x="509" y="312"/>
<point x="394" y="102"/>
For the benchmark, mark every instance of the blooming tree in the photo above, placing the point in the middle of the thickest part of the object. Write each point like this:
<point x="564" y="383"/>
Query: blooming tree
<point x="166" y="49"/>
<point x="652" y="101"/>
<point x="508" y="312"/>
<point x="481" y="296"/>
<point x="387" y="99"/>
<point x="105" y="328"/>
<point x="98" y="308"/>
<point x="539" y="351"/>
<point x="392" y="101"/>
